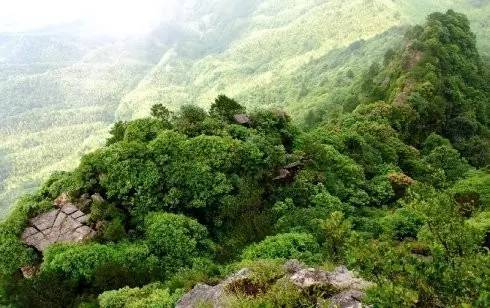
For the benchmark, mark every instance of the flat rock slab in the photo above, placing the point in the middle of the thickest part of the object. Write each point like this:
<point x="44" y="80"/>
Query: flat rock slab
<point x="65" y="224"/>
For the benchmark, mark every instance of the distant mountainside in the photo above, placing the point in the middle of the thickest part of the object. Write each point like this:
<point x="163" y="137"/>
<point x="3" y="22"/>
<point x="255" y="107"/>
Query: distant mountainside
<point x="386" y="204"/>
<point x="60" y="91"/>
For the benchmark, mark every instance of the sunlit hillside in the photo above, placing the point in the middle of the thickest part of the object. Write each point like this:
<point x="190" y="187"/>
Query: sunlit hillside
<point x="60" y="92"/>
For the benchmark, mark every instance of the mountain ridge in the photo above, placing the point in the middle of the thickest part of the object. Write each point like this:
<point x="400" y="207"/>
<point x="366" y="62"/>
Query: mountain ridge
<point x="211" y="56"/>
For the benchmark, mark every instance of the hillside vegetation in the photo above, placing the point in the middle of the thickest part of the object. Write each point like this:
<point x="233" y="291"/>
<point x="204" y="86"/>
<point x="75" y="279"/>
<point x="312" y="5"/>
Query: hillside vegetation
<point x="394" y="187"/>
<point x="61" y="91"/>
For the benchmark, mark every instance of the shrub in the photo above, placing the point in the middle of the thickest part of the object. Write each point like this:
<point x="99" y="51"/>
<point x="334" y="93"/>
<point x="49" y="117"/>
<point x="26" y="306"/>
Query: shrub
<point x="225" y="108"/>
<point x="391" y="295"/>
<point x="153" y="295"/>
<point x="81" y="262"/>
<point x="143" y="130"/>
<point x="403" y="223"/>
<point x="300" y="246"/>
<point x="176" y="238"/>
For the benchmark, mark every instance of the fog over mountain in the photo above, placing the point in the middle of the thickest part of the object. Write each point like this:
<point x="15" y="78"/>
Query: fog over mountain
<point x="244" y="153"/>
<point x="69" y="69"/>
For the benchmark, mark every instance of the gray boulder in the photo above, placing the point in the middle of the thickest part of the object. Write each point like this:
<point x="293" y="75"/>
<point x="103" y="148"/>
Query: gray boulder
<point x="345" y="288"/>
<point x="211" y="295"/>
<point x="63" y="224"/>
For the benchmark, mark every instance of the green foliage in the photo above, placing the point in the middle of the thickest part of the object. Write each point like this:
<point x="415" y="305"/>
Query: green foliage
<point x="300" y="246"/>
<point x="117" y="132"/>
<point x="403" y="223"/>
<point x="449" y="160"/>
<point x="82" y="262"/>
<point x="153" y="295"/>
<point x="387" y="189"/>
<point x="337" y="232"/>
<point x="281" y="294"/>
<point x="161" y="112"/>
<point x="176" y="239"/>
<point x="70" y="81"/>
<point x="389" y="295"/>
<point x="47" y="289"/>
<point x="473" y="190"/>
<point x="439" y="80"/>
<point x="225" y="108"/>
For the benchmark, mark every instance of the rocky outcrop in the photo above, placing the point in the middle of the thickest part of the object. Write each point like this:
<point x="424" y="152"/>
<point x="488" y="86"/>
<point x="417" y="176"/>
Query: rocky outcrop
<point x="241" y="119"/>
<point x="66" y="223"/>
<point x="345" y="288"/>
<point x="211" y="295"/>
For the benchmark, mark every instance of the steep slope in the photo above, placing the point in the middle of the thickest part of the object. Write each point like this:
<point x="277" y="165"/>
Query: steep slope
<point x="278" y="41"/>
<point x="60" y="91"/>
<point x="175" y="202"/>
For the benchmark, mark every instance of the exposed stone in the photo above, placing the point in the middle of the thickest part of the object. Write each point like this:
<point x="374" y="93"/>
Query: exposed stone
<point x="341" y="278"/>
<point x="44" y="221"/>
<point x="85" y="201"/>
<point x="293" y="266"/>
<point x="241" y="119"/>
<point x="203" y="294"/>
<point x="69" y="208"/>
<point x="29" y="271"/>
<point x="345" y="287"/>
<point x="283" y="174"/>
<point x="309" y="277"/>
<point x="289" y="171"/>
<point x="28" y="232"/>
<point x="347" y="299"/>
<point x="83" y="219"/>
<point x="97" y="198"/>
<point x="64" y="224"/>
<point x="60" y="219"/>
<point x="61" y="200"/>
<point x="77" y="214"/>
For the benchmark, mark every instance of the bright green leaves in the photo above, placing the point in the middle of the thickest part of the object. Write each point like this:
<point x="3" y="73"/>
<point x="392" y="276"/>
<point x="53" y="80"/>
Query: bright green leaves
<point x="300" y="246"/>
<point x="176" y="238"/>
<point x="82" y="262"/>
<point x="153" y="295"/>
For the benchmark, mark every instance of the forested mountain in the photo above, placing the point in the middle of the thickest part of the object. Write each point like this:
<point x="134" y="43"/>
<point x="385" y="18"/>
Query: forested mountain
<point x="61" y="90"/>
<point x="395" y="185"/>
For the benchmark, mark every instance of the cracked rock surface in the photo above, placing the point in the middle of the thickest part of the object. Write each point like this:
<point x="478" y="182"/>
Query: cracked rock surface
<point x="64" y="224"/>
<point x="347" y="288"/>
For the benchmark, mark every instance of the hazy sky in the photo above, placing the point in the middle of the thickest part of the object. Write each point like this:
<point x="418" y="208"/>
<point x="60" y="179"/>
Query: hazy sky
<point x="109" y="16"/>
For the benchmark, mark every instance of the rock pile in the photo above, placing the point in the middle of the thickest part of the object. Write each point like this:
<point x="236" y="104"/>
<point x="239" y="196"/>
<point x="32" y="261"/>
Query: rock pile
<point x="347" y="289"/>
<point x="63" y="224"/>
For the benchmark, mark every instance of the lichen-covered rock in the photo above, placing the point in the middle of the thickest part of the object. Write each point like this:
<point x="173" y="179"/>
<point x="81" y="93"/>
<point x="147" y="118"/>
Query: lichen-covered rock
<point x="309" y="277"/>
<point x="342" y="279"/>
<point x="97" y="198"/>
<point x="293" y="266"/>
<point x="29" y="271"/>
<point x="345" y="289"/>
<point x="64" y="224"/>
<point x="211" y="295"/>
<point x="347" y="299"/>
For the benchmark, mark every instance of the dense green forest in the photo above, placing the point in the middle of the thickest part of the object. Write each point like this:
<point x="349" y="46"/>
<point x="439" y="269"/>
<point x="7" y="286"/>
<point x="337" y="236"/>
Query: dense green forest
<point x="396" y="187"/>
<point x="61" y="91"/>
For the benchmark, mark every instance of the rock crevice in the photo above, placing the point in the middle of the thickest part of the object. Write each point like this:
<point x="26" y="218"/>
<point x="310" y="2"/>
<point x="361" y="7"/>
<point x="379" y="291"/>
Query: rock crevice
<point x="63" y="224"/>
<point x="347" y="288"/>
